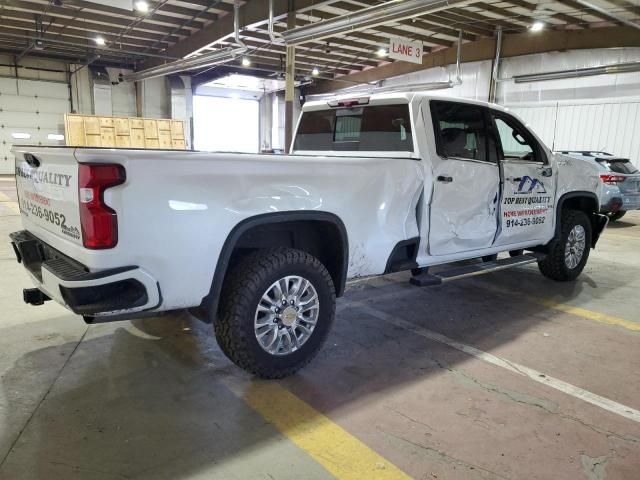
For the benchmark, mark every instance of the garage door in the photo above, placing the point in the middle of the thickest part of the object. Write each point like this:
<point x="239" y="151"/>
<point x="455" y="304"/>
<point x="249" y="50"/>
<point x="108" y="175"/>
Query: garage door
<point x="31" y="112"/>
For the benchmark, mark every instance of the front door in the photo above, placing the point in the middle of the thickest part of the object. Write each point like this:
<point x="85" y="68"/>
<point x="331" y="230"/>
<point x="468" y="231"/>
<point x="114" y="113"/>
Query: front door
<point x="465" y="199"/>
<point x="526" y="206"/>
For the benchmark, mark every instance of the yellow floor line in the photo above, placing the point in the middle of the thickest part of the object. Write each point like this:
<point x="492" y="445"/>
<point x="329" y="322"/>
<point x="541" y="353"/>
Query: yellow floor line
<point x="11" y="207"/>
<point x="589" y="314"/>
<point x="573" y="310"/>
<point x="339" y="452"/>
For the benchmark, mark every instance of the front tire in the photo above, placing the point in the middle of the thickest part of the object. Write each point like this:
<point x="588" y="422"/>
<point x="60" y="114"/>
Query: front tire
<point x="569" y="253"/>
<point x="277" y="308"/>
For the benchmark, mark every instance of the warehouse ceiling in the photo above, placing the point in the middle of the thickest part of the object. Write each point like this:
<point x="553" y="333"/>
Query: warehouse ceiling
<point x="159" y="31"/>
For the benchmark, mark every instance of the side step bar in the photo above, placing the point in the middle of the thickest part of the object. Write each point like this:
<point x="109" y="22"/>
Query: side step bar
<point x="430" y="279"/>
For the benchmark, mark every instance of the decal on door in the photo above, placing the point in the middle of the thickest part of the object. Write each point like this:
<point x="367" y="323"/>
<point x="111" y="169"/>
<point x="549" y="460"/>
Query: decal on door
<point x="527" y="205"/>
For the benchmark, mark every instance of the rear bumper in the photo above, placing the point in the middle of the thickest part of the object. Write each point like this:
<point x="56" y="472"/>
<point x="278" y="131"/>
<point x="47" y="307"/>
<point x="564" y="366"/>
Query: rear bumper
<point x="620" y="202"/>
<point x="110" y="292"/>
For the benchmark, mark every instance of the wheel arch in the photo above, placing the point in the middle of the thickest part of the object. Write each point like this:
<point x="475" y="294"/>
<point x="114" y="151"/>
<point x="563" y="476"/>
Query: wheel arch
<point x="586" y="202"/>
<point x="287" y="229"/>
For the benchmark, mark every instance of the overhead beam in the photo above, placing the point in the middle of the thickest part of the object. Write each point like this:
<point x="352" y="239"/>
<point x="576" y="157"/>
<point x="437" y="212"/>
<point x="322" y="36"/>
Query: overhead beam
<point x="531" y="7"/>
<point x="581" y="8"/>
<point x="252" y="13"/>
<point x="80" y="36"/>
<point x="513" y="45"/>
<point x="155" y="22"/>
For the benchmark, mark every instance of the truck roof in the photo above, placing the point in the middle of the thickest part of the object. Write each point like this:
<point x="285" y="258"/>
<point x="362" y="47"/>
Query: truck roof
<point x="385" y="98"/>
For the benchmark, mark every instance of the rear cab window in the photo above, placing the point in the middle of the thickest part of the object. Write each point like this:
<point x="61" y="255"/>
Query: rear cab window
<point x="360" y="128"/>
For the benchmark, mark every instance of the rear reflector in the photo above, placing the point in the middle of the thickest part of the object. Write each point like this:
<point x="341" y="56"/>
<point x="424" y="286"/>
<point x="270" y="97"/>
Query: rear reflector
<point x="611" y="179"/>
<point x="99" y="222"/>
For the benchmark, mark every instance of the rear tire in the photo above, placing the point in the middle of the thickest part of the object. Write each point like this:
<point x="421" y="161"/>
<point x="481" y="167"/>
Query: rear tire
<point x="277" y="275"/>
<point x="569" y="253"/>
<point x="617" y="215"/>
<point x="490" y="258"/>
<point x="516" y="253"/>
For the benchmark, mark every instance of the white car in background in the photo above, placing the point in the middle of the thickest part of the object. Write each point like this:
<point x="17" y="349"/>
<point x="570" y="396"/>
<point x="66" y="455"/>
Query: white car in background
<point x="619" y="189"/>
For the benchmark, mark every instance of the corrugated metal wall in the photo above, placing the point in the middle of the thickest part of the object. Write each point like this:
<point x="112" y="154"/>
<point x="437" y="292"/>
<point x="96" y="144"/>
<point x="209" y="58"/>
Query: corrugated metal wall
<point x="590" y="113"/>
<point x="609" y="127"/>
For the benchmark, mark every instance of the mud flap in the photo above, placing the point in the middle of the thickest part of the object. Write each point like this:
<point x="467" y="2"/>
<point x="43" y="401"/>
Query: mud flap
<point x="598" y="224"/>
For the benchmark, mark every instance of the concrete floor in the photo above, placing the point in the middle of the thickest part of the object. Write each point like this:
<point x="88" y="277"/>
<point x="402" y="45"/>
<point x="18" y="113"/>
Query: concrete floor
<point x="487" y="378"/>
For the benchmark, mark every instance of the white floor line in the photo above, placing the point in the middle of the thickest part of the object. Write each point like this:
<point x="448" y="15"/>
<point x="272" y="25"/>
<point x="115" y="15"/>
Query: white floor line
<point x="577" y="392"/>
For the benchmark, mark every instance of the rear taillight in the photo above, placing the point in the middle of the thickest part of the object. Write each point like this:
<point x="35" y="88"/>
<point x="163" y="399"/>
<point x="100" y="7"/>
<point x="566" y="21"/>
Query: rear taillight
<point x="611" y="179"/>
<point x="99" y="222"/>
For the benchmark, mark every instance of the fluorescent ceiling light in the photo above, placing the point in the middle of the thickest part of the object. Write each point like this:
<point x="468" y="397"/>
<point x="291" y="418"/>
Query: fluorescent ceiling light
<point x="21" y="135"/>
<point x="315" y="72"/>
<point x="55" y="136"/>
<point x="246" y="62"/>
<point x="382" y="52"/>
<point x="370" y="17"/>
<point x="537" y="26"/>
<point x="99" y="41"/>
<point x="142" y="6"/>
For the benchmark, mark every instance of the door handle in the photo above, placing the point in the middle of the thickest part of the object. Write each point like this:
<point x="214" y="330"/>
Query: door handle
<point x="444" y="179"/>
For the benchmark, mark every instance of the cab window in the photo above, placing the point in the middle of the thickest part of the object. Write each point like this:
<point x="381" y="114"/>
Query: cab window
<point x="514" y="141"/>
<point x="361" y="129"/>
<point x="461" y="131"/>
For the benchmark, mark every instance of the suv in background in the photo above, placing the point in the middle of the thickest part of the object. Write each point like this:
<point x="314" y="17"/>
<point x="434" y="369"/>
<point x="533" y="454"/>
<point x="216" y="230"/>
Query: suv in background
<point x="619" y="189"/>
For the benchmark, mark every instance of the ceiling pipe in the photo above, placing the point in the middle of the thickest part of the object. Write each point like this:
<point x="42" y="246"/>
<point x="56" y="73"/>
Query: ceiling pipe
<point x="560" y="74"/>
<point x="203" y="61"/>
<point x="236" y="24"/>
<point x="458" y="79"/>
<point x="579" y="72"/>
<point x="496" y="62"/>
<point x="272" y="35"/>
<point x="370" y="17"/>
<point x="607" y="13"/>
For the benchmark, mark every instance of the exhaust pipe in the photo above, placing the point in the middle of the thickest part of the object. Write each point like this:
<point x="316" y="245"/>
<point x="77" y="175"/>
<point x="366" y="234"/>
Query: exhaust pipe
<point x="33" y="296"/>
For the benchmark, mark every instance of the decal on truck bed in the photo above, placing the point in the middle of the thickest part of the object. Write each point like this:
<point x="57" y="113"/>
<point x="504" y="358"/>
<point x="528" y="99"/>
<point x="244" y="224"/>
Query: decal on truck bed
<point x="44" y="176"/>
<point x="48" y="195"/>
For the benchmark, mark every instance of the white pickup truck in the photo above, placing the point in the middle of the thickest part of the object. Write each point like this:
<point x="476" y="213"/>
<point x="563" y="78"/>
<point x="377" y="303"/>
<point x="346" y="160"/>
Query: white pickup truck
<point x="261" y="245"/>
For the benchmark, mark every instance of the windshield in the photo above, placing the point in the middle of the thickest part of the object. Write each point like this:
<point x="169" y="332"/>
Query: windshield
<point x="362" y="129"/>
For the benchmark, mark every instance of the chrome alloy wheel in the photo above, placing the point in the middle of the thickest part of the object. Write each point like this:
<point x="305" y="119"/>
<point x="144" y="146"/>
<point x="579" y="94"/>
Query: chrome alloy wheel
<point x="286" y="315"/>
<point x="574" y="249"/>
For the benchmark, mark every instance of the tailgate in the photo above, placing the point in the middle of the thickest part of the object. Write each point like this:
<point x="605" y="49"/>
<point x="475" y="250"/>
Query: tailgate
<point x="47" y="183"/>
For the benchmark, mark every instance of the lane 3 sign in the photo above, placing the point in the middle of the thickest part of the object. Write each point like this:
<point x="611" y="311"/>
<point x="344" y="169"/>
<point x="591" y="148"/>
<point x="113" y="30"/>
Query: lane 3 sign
<point x="406" y="50"/>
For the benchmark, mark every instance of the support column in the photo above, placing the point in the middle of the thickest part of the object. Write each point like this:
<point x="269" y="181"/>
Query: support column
<point x="289" y="92"/>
